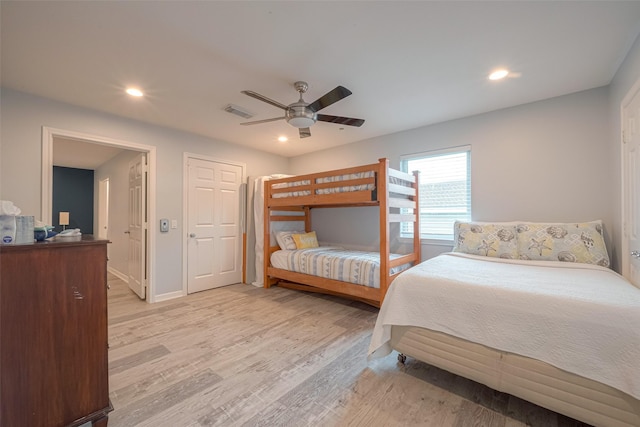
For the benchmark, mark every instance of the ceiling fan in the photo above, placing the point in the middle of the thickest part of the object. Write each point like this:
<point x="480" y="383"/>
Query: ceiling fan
<point x="301" y="114"/>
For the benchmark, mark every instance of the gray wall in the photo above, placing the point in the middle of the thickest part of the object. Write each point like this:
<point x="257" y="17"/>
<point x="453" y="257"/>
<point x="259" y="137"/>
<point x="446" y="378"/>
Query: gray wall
<point x="544" y="161"/>
<point x="23" y="116"/>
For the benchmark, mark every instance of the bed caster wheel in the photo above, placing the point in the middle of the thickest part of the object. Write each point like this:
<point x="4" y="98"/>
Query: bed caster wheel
<point x="402" y="358"/>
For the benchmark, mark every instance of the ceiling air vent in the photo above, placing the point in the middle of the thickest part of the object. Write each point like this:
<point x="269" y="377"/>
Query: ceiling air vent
<point x="238" y="111"/>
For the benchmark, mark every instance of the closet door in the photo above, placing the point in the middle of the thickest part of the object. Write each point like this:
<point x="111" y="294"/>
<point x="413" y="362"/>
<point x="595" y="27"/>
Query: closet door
<point x="214" y="247"/>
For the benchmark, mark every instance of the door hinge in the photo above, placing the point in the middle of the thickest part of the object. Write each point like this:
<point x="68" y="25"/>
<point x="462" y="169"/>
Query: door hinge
<point x="624" y="137"/>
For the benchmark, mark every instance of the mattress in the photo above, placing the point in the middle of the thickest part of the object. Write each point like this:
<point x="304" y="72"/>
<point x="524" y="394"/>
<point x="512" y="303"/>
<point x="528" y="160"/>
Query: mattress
<point x="361" y="268"/>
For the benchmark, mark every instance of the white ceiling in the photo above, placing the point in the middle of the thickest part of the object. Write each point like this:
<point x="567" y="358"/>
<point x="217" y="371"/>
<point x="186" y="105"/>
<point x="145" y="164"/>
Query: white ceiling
<point x="73" y="153"/>
<point x="408" y="63"/>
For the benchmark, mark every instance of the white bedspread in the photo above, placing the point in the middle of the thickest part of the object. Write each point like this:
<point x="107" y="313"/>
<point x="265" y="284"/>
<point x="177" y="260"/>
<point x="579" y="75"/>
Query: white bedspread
<point x="581" y="318"/>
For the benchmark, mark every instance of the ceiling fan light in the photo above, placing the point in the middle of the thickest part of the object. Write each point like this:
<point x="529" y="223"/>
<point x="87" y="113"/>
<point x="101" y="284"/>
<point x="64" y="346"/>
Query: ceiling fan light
<point x="301" y="122"/>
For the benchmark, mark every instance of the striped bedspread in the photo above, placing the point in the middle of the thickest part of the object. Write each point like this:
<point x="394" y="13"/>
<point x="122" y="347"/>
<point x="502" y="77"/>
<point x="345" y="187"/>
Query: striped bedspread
<point x="361" y="268"/>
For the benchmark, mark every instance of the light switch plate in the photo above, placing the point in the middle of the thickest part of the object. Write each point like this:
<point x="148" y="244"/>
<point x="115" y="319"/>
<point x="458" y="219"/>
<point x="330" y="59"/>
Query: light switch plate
<point x="174" y="223"/>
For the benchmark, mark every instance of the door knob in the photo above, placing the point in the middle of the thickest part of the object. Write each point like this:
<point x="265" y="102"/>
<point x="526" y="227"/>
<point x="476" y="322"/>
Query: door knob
<point x="635" y="254"/>
<point x="192" y="235"/>
<point x="127" y="232"/>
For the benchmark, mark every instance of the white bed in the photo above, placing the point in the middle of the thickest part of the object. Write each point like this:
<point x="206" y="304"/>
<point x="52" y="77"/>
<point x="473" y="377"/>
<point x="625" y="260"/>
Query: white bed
<point x="565" y="336"/>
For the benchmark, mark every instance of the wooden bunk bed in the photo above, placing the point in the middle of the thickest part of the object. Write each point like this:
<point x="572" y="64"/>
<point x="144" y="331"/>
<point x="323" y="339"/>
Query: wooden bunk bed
<point x="392" y="192"/>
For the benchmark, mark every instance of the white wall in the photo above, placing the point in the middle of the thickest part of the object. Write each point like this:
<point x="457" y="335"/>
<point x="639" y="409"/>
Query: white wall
<point x="544" y="161"/>
<point x="23" y="116"/>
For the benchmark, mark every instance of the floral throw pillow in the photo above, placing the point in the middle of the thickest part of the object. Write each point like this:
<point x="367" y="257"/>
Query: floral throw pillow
<point x="568" y="242"/>
<point x="492" y="240"/>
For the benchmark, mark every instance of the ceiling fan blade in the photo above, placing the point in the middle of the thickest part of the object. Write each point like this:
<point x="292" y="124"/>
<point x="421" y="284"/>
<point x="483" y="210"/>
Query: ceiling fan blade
<point x="329" y="98"/>
<point x="262" y="121"/>
<point x="305" y="132"/>
<point x="264" y="99"/>
<point x="349" y="121"/>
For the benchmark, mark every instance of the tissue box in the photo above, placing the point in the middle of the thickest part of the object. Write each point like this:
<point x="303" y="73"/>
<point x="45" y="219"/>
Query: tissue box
<point x="7" y="229"/>
<point x="24" y="230"/>
<point x="16" y="229"/>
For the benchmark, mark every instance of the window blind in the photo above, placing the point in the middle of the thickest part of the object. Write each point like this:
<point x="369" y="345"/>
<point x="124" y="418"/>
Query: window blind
<point x="445" y="191"/>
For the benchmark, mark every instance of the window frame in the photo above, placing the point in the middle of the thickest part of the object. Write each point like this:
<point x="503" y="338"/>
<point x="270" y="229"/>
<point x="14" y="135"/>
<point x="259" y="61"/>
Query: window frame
<point x="439" y="239"/>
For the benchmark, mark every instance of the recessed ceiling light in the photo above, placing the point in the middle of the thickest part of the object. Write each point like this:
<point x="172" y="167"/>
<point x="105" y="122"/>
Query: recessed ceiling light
<point x="498" y="74"/>
<point x="134" y="91"/>
<point x="283" y="138"/>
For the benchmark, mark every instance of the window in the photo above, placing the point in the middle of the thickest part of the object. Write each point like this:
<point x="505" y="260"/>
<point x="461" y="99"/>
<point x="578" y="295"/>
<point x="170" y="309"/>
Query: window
<point x="445" y="191"/>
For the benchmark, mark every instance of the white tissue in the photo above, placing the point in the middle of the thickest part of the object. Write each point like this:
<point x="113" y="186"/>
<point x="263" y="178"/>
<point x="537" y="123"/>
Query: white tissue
<point x="8" y="208"/>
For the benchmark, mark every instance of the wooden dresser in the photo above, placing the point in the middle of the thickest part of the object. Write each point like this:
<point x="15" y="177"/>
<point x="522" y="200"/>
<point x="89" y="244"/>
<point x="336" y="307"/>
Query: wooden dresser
<point x="53" y="334"/>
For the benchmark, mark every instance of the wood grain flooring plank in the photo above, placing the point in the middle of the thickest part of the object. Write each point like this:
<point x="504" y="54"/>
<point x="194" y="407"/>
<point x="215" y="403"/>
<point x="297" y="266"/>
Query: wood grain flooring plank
<point x="155" y="403"/>
<point x="121" y="365"/>
<point x="472" y="415"/>
<point x="137" y="316"/>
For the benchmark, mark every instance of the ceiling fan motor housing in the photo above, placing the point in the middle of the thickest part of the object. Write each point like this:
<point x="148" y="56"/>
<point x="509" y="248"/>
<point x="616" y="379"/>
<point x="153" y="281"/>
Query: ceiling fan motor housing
<point x="299" y="116"/>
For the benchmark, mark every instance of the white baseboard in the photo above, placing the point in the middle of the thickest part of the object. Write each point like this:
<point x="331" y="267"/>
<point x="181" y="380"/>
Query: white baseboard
<point x="118" y="274"/>
<point x="168" y="296"/>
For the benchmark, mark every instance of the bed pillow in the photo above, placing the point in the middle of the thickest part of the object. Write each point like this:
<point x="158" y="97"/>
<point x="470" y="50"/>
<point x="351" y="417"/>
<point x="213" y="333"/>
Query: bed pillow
<point x="285" y="241"/>
<point x="486" y="239"/>
<point x="569" y="242"/>
<point x="306" y="240"/>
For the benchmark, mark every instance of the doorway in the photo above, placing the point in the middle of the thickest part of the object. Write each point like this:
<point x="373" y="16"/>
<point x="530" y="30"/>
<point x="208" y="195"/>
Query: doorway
<point x="88" y="140"/>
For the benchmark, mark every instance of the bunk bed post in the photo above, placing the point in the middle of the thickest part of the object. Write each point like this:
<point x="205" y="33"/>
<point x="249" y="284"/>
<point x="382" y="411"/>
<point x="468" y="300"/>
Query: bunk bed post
<point x="383" y="199"/>
<point x="307" y="219"/>
<point x="417" y="247"/>
<point x="266" y="243"/>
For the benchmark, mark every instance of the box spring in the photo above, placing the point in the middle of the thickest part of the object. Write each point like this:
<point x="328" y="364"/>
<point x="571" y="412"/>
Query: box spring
<point x="535" y="381"/>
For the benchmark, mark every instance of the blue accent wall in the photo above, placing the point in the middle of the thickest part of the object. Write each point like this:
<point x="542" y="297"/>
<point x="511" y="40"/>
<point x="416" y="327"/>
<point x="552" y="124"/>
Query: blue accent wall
<point x="73" y="193"/>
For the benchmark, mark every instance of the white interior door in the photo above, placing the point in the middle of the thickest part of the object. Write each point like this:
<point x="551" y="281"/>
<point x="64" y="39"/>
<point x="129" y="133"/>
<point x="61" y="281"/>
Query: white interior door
<point x="138" y="225"/>
<point x="214" y="249"/>
<point x="631" y="189"/>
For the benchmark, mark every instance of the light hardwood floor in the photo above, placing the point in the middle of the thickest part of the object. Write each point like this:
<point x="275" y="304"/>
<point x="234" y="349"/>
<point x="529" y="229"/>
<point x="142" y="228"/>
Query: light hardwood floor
<point x="247" y="356"/>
